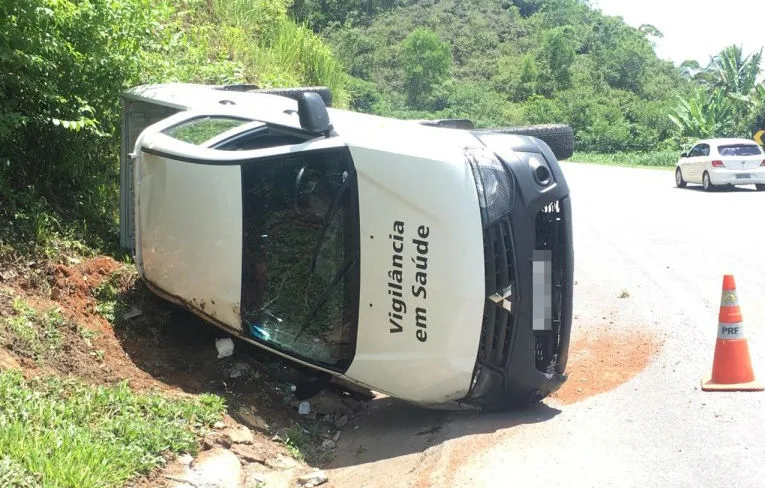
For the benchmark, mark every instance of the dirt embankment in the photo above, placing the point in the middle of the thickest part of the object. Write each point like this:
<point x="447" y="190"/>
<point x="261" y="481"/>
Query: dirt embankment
<point x="153" y="345"/>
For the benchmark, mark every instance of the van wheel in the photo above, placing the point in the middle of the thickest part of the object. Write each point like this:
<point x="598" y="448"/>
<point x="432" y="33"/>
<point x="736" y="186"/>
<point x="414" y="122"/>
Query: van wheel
<point x="679" y="181"/>
<point x="560" y="137"/>
<point x="706" y="183"/>
<point x="760" y="186"/>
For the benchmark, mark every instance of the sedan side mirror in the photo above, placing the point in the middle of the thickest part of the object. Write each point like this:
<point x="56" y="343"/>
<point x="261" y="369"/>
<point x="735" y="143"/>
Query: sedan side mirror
<point x="683" y="155"/>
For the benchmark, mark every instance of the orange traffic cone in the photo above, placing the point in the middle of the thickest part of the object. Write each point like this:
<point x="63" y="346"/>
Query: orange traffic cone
<point x="732" y="368"/>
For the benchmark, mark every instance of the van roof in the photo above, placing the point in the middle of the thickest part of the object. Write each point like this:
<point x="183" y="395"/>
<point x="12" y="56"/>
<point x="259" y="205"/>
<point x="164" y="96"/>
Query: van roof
<point x="186" y="96"/>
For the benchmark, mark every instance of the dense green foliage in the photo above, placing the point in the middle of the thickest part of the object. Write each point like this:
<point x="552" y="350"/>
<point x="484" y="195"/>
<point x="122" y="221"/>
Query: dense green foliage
<point x="513" y="62"/>
<point x="63" y="64"/>
<point x="727" y="100"/>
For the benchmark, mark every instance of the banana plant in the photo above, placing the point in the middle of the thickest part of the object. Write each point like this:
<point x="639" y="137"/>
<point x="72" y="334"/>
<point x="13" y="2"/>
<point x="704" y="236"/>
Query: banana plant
<point x="705" y="115"/>
<point x="735" y="73"/>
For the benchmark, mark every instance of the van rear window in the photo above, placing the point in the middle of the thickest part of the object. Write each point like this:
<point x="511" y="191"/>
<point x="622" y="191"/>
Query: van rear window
<point x="739" y="150"/>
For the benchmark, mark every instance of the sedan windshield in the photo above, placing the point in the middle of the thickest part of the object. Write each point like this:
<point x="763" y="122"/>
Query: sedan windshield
<point x="739" y="150"/>
<point x="300" y="255"/>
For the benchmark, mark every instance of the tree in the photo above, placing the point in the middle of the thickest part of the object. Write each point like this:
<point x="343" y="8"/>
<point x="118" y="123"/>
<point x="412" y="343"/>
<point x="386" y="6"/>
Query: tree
<point x="689" y="68"/>
<point x="426" y="61"/>
<point x="735" y="73"/>
<point x="557" y="53"/>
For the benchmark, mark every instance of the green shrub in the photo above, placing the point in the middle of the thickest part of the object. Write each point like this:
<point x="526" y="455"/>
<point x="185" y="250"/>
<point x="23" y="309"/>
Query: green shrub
<point x="63" y="63"/>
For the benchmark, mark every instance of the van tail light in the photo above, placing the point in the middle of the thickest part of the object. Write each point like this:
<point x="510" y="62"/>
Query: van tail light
<point x="718" y="164"/>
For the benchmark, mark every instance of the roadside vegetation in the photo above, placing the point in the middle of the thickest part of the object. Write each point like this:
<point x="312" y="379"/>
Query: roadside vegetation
<point x="61" y="433"/>
<point x="654" y="159"/>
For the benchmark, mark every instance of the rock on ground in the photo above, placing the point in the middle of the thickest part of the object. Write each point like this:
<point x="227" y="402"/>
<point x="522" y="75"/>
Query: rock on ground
<point x="240" y="435"/>
<point x="312" y="479"/>
<point x="216" y="468"/>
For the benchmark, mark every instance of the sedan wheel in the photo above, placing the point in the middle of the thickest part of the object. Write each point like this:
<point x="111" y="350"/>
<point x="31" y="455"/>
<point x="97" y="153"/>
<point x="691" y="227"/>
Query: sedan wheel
<point x="706" y="183"/>
<point x="679" y="181"/>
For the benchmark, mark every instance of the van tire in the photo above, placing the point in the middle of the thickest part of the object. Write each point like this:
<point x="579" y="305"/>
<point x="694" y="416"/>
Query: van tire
<point x="560" y="137"/>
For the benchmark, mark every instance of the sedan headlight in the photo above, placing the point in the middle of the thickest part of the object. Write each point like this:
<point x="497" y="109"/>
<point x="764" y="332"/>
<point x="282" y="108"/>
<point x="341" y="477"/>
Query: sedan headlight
<point x="494" y="185"/>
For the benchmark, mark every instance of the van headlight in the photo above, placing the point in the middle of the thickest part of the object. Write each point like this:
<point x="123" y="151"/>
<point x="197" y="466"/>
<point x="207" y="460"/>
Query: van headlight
<point x="493" y="184"/>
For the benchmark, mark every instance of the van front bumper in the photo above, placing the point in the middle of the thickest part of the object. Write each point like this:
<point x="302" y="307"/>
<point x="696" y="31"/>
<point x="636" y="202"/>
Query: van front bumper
<point x="528" y="261"/>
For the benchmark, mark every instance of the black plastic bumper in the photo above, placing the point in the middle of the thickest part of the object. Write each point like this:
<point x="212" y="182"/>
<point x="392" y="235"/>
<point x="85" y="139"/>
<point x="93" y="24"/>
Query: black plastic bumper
<point x="516" y="364"/>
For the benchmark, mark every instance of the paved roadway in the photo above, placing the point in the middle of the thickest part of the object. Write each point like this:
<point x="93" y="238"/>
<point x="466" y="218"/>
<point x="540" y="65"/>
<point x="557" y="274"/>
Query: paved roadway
<point x="669" y="248"/>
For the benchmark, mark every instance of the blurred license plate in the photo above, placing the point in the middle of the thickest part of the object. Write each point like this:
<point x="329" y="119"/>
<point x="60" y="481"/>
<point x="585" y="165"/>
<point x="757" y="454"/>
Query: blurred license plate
<point x="542" y="289"/>
<point x="743" y="176"/>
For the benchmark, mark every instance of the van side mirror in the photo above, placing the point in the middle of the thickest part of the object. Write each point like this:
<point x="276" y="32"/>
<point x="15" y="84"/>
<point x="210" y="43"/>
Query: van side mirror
<point x="313" y="113"/>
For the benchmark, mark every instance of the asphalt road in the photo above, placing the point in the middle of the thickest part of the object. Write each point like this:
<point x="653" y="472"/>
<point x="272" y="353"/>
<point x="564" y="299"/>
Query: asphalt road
<point x="669" y="248"/>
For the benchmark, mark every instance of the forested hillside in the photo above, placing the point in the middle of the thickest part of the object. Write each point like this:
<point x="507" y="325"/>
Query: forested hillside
<point x="504" y="63"/>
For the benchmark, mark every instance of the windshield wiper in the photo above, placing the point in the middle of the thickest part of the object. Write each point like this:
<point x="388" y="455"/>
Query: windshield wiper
<point x="333" y="208"/>
<point x="328" y="291"/>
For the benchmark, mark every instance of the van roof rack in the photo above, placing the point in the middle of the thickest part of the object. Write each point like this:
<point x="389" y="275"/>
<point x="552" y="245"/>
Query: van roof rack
<point x="450" y="123"/>
<point x="292" y="92"/>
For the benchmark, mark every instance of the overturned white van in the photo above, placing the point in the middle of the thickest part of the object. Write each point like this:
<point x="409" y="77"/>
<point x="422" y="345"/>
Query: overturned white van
<point x="426" y="260"/>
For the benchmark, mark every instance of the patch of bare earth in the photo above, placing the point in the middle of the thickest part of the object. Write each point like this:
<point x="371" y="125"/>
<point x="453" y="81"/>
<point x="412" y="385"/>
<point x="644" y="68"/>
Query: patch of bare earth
<point x="600" y="362"/>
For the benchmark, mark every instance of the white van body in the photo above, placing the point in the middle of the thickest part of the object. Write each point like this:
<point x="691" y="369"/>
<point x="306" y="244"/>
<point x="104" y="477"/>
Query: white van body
<point x="428" y="263"/>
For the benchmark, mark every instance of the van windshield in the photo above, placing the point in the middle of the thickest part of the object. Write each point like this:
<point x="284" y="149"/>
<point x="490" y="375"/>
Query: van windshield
<point x="300" y="255"/>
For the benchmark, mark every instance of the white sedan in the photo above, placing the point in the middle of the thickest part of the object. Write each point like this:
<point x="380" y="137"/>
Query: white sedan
<point x="718" y="162"/>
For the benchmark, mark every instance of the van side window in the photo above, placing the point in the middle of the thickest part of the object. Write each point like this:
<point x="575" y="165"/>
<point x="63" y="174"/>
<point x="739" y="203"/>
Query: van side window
<point x="259" y="138"/>
<point x="199" y="130"/>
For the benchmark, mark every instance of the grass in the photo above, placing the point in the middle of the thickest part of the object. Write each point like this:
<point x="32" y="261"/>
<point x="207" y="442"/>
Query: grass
<point x="292" y="55"/>
<point x="297" y="441"/>
<point x="305" y="445"/>
<point x="656" y="159"/>
<point x="111" y="304"/>
<point x="32" y="333"/>
<point x="61" y="433"/>
<point x="13" y="474"/>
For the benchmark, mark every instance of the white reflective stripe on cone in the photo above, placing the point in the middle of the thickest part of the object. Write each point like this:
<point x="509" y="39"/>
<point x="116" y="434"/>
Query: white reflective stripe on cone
<point x="731" y="331"/>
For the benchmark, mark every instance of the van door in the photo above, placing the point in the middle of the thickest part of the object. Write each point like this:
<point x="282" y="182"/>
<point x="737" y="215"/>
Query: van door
<point x="254" y="226"/>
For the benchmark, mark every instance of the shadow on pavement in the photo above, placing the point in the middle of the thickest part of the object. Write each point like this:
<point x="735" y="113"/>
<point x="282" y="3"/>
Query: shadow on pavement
<point x="391" y="428"/>
<point x="721" y="189"/>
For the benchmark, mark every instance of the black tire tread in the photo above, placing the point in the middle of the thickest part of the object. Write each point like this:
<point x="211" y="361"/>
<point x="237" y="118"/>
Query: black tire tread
<point x="682" y="183"/>
<point x="712" y="187"/>
<point x="560" y="137"/>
